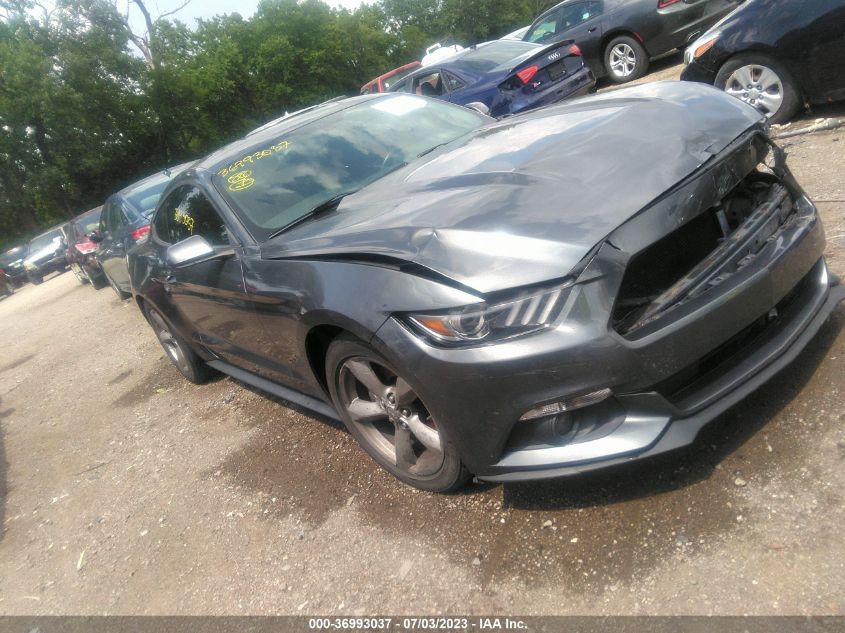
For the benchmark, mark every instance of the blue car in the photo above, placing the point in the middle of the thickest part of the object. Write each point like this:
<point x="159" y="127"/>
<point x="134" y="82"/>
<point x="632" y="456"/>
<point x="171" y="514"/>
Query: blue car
<point x="508" y="77"/>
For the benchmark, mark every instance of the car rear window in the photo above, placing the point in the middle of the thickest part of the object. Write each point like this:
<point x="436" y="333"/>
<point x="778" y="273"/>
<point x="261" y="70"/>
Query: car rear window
<point x="145" y="199"/>
<point x="495" y="54"/>
<point x="281" y="180"/>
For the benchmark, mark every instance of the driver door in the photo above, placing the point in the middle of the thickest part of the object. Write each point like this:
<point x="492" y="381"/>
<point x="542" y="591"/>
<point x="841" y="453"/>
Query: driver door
<point x="206" y="300"/>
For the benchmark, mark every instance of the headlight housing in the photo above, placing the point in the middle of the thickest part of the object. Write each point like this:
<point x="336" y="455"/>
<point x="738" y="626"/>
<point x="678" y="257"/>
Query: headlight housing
<point x="528" y="312"/>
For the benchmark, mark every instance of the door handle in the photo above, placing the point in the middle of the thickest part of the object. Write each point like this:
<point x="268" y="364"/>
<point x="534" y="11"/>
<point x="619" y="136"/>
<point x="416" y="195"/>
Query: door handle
<point x="170" y="279"/>
<point x="592" y="29"/>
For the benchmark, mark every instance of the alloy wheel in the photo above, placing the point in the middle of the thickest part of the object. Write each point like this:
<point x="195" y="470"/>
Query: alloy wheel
<point x="390" y="416"/>
<point x="623" y="60"/>
<point x="758" y="86"/>
<point x="169" y="342"/>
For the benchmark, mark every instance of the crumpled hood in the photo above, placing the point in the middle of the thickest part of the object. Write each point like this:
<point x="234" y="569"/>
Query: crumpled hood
<point x="525" y="199"/>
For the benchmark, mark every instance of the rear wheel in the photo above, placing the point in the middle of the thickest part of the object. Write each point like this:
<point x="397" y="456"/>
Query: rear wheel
<point x="34" y="278"/>
<point x="625" y="59"/>
<point x="96" y="277"/>
<point x="389" y="420"/>
<point x="762" y="82"/>
<point x="180" y="354"/>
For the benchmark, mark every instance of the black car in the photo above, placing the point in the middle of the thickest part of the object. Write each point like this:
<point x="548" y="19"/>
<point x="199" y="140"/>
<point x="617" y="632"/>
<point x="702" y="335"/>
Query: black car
<point x="775" y="55"/>
<point x="46" y="254"/>
<point x="125" y="222"/>
<point x="582" y="285"/>
<point x="504" y="76"/>
<point x="12" y="262"/>
<point x="618" y="37"/>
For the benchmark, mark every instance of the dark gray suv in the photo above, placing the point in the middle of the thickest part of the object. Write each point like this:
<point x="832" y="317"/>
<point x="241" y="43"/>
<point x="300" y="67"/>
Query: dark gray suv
<point x="581" y="286"/>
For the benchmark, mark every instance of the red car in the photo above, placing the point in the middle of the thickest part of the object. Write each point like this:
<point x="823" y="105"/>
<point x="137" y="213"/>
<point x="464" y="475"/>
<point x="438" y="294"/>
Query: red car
<point x="81" y="250"/>
<point x="383" y="82"/>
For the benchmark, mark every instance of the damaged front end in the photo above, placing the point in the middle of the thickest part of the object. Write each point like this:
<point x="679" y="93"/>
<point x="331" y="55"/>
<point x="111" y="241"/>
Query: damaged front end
<point x="710" y="291"/>
<point x="708" y="229"/>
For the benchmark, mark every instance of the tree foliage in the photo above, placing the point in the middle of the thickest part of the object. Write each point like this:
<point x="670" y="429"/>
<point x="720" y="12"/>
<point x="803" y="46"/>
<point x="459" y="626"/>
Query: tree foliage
<point x="88" y="106"/>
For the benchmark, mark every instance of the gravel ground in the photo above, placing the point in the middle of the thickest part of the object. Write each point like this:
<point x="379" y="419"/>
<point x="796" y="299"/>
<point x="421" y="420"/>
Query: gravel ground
<point x="126" y="490"/>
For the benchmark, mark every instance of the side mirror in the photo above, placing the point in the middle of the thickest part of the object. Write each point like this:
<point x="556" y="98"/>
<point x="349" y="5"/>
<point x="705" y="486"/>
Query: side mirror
<point x="479" y="107"/>
<point x="194" y="250"/>
<point x="95" y="237"/>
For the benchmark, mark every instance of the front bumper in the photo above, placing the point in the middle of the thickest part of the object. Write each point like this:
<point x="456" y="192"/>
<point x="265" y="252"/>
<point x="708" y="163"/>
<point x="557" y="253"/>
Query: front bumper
<point x="653" y="424"/>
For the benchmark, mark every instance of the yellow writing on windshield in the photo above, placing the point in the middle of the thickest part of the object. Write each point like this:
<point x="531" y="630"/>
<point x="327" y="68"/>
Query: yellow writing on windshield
<point x="250" y="159"/>
<point x="240" y="180"/>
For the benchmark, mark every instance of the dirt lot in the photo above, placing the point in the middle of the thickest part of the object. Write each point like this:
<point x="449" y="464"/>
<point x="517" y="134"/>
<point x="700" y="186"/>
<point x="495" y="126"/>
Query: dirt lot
<point x="126" y="490"/>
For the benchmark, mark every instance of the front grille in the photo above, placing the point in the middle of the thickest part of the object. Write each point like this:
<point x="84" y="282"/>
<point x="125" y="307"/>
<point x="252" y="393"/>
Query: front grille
<point x="703" y="253"/>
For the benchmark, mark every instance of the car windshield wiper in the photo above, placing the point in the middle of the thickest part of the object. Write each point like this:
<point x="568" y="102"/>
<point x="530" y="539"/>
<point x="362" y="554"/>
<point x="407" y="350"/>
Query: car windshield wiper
<point x="324" y="207"/>
<point x="432" y="148"/>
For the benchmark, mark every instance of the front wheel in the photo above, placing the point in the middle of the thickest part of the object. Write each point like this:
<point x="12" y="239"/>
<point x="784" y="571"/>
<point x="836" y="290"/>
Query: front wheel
<point x="763" y="83"/>
<point x="389" y="420"/>
<point x="34" y="278"/>
<point x="625" y="59"/>
<point x="180" y="354"/>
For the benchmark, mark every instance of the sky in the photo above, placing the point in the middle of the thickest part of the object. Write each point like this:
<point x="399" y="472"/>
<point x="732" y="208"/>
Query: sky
<point x="203" y="9"/>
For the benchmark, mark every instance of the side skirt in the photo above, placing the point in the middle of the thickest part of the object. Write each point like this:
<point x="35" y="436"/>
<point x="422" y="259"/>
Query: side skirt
<point x="307" y="402"/>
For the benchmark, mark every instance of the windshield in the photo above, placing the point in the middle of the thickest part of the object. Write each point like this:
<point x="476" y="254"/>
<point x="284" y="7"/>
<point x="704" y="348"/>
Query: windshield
<point x="45" y="240"/>
<point x="280" y="181"/>
<point x="488" y="57"/>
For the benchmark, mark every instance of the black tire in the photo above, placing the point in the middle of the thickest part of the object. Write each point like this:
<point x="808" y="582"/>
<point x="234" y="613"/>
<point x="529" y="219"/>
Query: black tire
<point x="34" y="278"/>
<point x="177" y="349"/>
<point x="8" y="290"/>
<point x="422" y="467"/>
<point x="790" y="94"/>
<point x="121" y="294"/>
<point x="622" y="68"/>
<point x="98" y="280"/>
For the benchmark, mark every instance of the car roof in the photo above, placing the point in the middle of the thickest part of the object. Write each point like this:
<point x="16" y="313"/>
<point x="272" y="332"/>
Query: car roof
<point x="164" y="174"/>
<point x="271" y="131"/>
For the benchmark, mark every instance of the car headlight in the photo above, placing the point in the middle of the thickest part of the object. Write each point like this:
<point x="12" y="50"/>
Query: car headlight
<point x="529" y="312"/>
<point x="701" y="46"/>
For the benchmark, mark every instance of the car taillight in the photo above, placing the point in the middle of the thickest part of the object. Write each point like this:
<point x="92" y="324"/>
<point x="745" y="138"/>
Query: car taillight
<point x="526" y="74"/>
<point x="86" y="247"/>
<point x="662" y="4"/>
<point x="141" y="233"/>
<point x="575" y="50"/>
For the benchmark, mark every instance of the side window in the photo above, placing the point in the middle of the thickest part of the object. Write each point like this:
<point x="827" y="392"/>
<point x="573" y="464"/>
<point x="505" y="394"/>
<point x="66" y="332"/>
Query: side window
<point x="575" y="14"/>
<point x="108" y="221"/>
<point x="403" y="85"/>
<point x="453" y="82"/>
<point x="429" y="84"/>
<point x="545" y="29"/>
<point x="186" y="212"/>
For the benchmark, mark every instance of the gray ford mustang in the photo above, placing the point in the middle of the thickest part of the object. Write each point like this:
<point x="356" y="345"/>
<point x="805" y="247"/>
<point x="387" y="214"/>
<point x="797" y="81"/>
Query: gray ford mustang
<point x="581" y="286"/>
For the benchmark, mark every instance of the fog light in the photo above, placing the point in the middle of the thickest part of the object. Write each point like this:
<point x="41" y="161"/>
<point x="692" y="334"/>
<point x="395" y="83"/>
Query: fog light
<point x="571" y="404"/>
